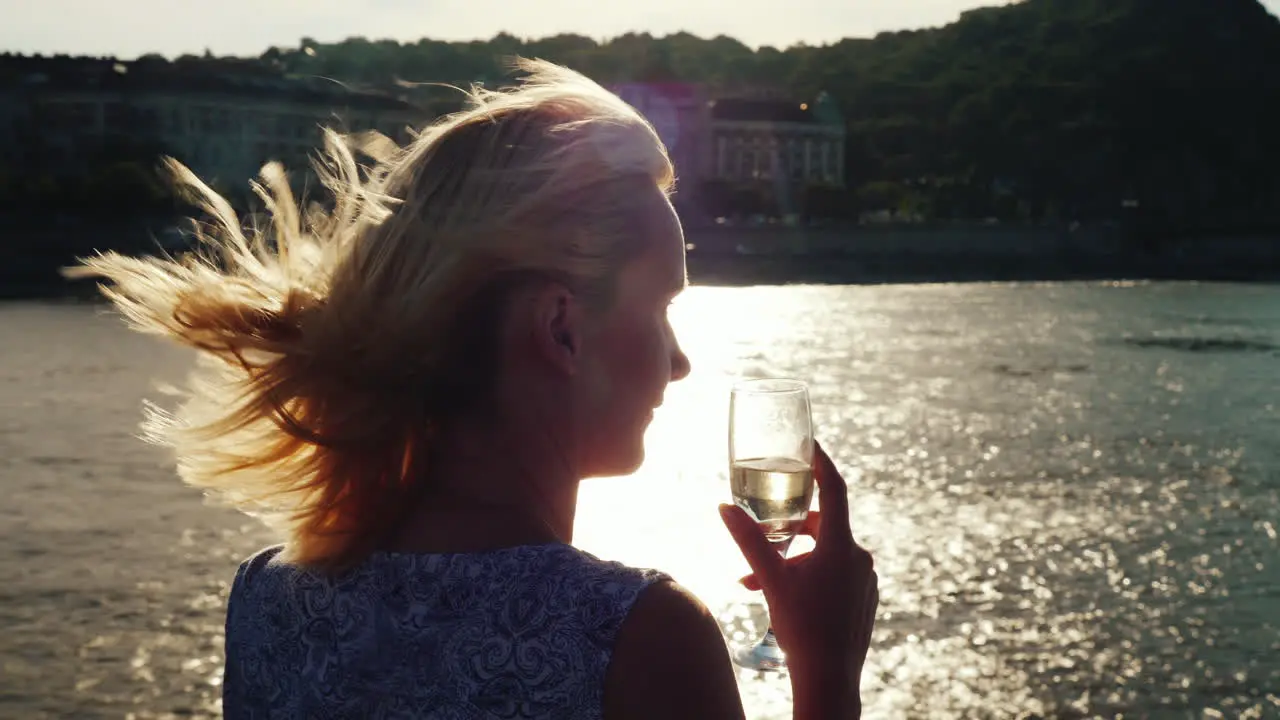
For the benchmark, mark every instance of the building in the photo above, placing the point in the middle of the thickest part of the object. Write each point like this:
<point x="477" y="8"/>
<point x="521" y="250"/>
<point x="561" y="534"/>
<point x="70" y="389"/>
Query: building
<point x="757" y="140"/>
<point x="222" y="118"/>
<point x="225" y="118"/>
<point x="765" y="140"/>
<point x="680" y="112"/>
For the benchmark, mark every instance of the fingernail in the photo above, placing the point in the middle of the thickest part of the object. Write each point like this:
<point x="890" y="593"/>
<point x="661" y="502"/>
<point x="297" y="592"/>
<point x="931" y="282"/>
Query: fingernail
<point x="726" y="511"/>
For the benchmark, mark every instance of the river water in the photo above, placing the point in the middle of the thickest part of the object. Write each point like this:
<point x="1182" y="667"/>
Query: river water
<point x="1072" y="491"/>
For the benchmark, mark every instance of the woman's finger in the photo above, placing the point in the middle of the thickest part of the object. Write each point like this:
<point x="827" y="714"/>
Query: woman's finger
<point x="765" y="562"/>
<point x="750" y="581"/>
<point x="812" y="525"/>
<point x="833" y="496"/>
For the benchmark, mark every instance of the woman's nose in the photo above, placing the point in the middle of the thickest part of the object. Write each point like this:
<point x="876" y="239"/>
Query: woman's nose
<point x="680" y="365"/>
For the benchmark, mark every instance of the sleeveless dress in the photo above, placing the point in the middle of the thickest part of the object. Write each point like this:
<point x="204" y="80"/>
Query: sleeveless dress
<point x="522" y="632"/>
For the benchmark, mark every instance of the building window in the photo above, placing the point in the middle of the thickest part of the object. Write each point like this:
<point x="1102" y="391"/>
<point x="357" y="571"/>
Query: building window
<point x="147" y="119"/>
<point x="116" y="118"/>
<point x="201" y="119"/>
<point x="76" y="117"/>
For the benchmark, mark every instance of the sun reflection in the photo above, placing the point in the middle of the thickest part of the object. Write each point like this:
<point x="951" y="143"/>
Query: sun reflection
<point x="1066" y="522"/>
<point x="999" y="527"/>
<point x="665" y="515"/>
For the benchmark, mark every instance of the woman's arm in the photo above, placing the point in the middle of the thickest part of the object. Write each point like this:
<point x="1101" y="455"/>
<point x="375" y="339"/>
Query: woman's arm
<point x="670" y="661"/>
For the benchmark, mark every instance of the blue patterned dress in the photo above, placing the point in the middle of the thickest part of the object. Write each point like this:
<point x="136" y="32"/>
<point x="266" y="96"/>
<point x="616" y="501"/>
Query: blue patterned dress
<point x="522" y="632"/>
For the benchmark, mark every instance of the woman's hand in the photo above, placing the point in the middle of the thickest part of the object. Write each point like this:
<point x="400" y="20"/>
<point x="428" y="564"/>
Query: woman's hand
<point x="822" y="603"/>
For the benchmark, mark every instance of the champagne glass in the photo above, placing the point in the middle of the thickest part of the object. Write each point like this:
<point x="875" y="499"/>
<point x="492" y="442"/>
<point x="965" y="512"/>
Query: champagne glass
<point x="771" y="475"/>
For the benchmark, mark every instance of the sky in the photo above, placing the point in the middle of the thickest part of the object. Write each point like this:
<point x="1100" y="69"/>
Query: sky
<point x="128" y="28"/>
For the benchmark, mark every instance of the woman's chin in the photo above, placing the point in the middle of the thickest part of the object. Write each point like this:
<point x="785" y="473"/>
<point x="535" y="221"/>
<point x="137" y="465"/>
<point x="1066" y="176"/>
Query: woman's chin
<point x="623" y="463"/>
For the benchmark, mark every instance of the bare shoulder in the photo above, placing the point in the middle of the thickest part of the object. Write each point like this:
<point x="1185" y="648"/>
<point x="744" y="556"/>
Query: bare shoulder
<point x="670" y="661"/>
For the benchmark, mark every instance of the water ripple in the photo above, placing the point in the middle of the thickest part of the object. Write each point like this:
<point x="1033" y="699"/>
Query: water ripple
<point x="1072" y="491"/>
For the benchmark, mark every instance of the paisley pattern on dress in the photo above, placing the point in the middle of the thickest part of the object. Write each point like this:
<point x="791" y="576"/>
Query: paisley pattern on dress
<point x="523" y="632"/>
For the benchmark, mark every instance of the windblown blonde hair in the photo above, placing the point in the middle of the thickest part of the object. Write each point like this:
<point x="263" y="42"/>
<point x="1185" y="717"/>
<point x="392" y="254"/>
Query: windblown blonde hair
<point x="332" y="342"/>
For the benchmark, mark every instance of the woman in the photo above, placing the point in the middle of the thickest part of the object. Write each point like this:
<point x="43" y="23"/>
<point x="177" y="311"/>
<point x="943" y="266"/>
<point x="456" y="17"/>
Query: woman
<point x="410" y="386"/>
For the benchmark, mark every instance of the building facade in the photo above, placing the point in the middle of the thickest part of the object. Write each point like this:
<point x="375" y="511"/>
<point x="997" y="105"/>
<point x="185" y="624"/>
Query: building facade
<point x="680" y="112"/>
<point x="766" y="140"/>
<point x="222" y="120"/>
<point x="757" y="142"/>
<point x="225" y="118"/>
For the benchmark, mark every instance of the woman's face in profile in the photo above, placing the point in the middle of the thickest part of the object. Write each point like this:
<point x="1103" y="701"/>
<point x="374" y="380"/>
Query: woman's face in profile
<point x="633" y="353"/>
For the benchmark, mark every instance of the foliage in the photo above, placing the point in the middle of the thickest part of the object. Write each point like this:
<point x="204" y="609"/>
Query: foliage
<point x="1075" y="104"/>
<point x="1036" y="110"/>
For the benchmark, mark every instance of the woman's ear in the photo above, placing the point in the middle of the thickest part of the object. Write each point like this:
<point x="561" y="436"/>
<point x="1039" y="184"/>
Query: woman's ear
<point x="557" y="327"/>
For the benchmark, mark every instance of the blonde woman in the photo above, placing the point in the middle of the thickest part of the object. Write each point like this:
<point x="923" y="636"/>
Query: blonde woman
<point x="410" y="386"/>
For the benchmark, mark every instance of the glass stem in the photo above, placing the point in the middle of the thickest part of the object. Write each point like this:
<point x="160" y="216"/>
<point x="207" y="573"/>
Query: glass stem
<point x="769" y="639"/>
<point x="782" y="546"/>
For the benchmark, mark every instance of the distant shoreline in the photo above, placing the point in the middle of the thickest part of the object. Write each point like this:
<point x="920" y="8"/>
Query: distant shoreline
<point x="831" y="270"/>
<point x="715" y="272"/>
<point x="778" y="255"/>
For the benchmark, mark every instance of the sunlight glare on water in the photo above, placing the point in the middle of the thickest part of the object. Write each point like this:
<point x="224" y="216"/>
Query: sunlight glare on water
<point x="984" y="445"/>
<point x="1072" y="493"/>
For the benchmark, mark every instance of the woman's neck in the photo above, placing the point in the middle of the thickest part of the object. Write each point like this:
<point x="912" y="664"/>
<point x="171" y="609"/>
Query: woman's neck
<point x="486" y="495"/>
<point x="444" y="522"/>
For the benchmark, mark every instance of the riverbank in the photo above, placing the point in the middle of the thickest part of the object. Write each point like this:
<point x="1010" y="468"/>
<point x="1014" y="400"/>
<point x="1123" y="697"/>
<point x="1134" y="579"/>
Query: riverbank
<point x="971" y="253"/>
<point x="904" y="268"/>
<point x="725" y="256"/>
<point x="1019" y="457"/>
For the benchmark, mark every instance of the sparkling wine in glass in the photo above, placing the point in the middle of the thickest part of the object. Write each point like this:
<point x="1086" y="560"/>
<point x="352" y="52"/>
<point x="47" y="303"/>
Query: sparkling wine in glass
<point x="771" y="475"/>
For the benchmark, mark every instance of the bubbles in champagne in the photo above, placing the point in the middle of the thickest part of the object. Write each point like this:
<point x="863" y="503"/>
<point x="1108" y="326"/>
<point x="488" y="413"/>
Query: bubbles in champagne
<point x="775" y="491"/>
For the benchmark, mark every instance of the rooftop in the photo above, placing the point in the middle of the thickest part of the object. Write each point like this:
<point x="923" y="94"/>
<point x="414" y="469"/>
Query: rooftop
<point x="760" y="110"/>
<point x="197" y="76"/>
